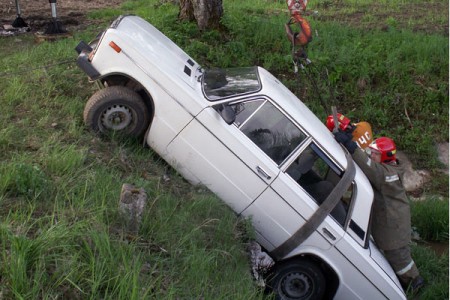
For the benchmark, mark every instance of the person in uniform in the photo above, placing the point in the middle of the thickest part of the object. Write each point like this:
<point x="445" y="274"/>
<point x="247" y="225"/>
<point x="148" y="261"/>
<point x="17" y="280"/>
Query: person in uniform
<point x="391" y="216"/>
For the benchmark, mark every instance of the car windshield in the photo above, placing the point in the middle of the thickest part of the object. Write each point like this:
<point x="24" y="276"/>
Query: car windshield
<point x="221" y="83"/>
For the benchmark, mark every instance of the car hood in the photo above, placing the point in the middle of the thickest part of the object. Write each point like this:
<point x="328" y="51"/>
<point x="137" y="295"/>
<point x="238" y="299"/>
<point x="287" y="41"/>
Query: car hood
<point x="157" y="47"/>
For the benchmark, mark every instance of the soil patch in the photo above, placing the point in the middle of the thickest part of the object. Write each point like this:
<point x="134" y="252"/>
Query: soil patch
<point x="38" y="14"/>
<point x="414" y="16"/>
<point x="438" y="248"/>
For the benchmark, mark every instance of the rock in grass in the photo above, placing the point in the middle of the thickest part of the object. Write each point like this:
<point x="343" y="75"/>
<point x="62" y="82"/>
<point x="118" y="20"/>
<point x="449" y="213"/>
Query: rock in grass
<point x="413" y="179"/>
<point x="131" y="206"/>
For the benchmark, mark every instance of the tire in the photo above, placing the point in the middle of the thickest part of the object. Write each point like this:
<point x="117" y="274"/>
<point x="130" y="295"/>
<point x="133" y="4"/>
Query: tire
<point x="117" y="109"/>
<point x="299" y="280"/>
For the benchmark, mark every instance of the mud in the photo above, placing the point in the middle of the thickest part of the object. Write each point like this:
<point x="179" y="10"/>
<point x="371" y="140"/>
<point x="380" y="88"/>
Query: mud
<point x="38" y="14"/>
<point x="438" y="248"/>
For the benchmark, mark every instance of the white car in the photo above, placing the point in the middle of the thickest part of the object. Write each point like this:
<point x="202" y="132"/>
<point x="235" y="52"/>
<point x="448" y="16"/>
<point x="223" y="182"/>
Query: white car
<point x="241" y="133"/>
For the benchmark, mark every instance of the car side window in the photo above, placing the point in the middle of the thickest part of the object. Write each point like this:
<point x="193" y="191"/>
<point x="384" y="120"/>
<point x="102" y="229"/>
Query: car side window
<point x="268" y="128"/>
<point x="318" y="176"/>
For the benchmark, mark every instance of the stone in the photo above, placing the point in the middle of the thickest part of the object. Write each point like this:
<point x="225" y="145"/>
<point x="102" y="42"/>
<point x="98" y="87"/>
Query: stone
<point x="443" y="154"/>
<point x="131" y="206"/>
<point x="413" y="179"/>
<point x="261" y="262"/>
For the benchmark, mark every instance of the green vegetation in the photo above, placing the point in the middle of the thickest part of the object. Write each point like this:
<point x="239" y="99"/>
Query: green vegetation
<point x="60" y="232"/>
<point x="434" y="268"/>
<point x="431" y="219"/>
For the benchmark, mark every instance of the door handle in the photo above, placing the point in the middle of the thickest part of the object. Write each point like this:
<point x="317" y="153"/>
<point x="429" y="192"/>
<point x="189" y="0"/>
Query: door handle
<point x="328" y="233"/>
<point x="263" y="173"/>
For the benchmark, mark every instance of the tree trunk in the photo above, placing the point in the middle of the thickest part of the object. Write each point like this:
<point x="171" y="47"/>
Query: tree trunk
<point x="186" y="11"/>
<point x="207" y="13"/>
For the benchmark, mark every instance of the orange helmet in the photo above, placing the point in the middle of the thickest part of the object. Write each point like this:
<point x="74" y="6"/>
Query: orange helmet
<point x="344" y="122"/>
<point x="363" y="134"/>
<point x="386" y="147"/>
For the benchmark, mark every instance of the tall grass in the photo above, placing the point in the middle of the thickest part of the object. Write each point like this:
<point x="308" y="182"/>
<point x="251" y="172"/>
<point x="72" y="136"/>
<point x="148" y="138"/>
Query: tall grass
<point x="61" y="235"/>
<point x="431" y="219"/>
<point x="434" y="269"/>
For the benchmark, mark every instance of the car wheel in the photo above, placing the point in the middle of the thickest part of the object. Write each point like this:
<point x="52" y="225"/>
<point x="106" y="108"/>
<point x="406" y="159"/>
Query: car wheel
<point x="117" y="109"/>
<point x="298" y="279"/>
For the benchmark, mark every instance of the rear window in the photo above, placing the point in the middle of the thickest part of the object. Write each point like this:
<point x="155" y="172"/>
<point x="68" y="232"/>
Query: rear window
<point x="222" y="83"/>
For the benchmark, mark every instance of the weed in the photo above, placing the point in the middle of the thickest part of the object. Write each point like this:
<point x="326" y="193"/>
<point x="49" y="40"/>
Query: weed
<point x="434" y="269"/>
<point x="23" y="179"/>
<point x="430" y="217"/>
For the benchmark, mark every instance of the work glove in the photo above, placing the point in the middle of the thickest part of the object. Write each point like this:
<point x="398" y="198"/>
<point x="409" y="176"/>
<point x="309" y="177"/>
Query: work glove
<point x="345" y="138"/>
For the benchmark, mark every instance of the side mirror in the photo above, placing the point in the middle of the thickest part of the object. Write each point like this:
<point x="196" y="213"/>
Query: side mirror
<point x="228" y="114"/>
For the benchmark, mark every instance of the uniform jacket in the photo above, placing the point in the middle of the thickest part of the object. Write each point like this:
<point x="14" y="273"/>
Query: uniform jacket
<point x="391" y="216"/>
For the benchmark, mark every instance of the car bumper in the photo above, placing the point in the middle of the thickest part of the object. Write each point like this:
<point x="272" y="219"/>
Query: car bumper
<point x="83" y="62"/>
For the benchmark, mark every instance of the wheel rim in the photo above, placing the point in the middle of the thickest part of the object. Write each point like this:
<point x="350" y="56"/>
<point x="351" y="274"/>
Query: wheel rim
<point x="116" y="117"/>
<point x="296" y="286"/>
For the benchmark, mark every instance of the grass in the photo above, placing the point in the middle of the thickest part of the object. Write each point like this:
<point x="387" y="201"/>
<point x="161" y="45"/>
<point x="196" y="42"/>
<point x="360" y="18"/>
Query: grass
<point x="401" y="71"/>
<point x="434" y="268"/>
<point x="61" y="235"/>
<point x="431" y="219"/>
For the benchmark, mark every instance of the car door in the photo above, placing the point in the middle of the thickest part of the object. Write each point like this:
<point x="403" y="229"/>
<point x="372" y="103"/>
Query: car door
<point x="307" y="177"/>
<point x="219" y="156"/>
<point x="235" y="161"/>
